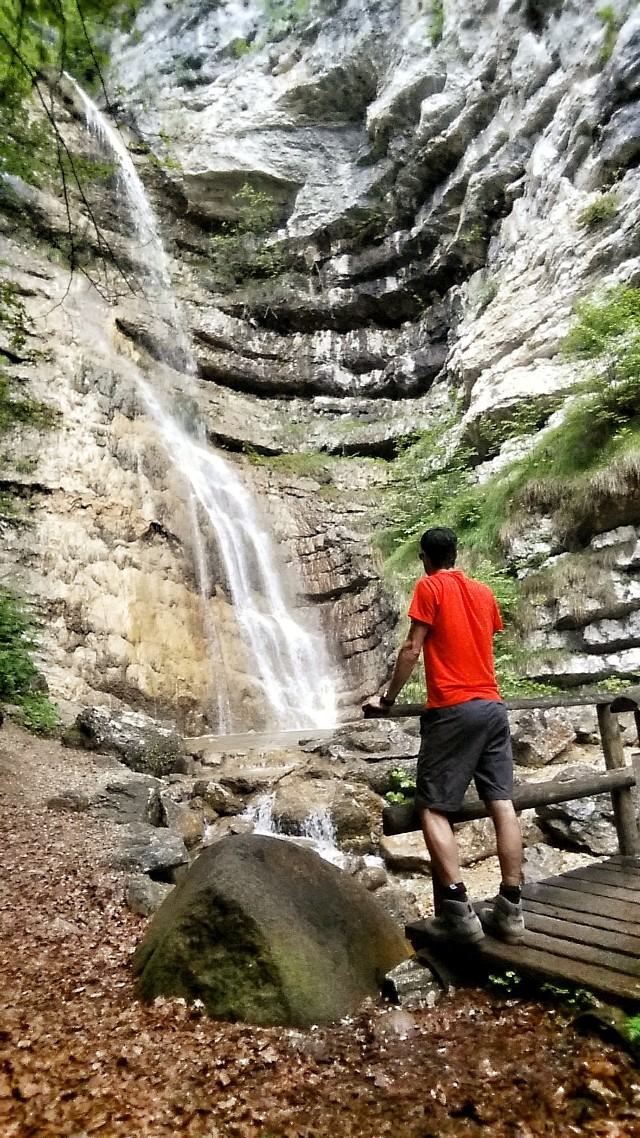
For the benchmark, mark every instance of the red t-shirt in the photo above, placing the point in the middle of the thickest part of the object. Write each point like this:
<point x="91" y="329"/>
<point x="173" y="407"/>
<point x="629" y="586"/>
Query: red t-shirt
<point x="458" y="650"/>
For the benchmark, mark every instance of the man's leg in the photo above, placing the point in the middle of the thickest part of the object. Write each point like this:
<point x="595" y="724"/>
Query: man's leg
<point x="442" y="846"/>
<point x="503" y="917"/>
<point x="508" y="840"/>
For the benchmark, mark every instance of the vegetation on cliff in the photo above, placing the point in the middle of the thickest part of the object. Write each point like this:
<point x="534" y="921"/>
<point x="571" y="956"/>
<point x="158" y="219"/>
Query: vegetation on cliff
<point x="570" y="470"/>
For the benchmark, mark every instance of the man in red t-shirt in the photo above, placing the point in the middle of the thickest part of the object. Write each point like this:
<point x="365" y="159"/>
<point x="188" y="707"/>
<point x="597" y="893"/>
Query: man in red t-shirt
<point x="465" y="735"/>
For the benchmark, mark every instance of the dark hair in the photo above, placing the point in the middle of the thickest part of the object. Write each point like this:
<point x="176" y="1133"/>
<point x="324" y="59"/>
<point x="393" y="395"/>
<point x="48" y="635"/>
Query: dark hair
<point x="441" y="546"/>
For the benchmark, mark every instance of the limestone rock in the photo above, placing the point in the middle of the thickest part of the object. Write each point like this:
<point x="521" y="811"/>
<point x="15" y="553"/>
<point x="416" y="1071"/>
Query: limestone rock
<point x="405" y="853"/>
<point x="539" y="736"/>
<point x="413" y="985"/>
<point x="137" y="740"/>
<point x="585" y="824"/>
<point x="184" y="820"/>
<point x="143" y="895"/>
<point x="149" y="850"/>
<point x="280" y="937"/>
<point x="218" y="797"/>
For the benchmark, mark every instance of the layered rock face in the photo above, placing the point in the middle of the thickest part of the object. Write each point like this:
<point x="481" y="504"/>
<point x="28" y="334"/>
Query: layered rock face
<point x="425" y="190"/>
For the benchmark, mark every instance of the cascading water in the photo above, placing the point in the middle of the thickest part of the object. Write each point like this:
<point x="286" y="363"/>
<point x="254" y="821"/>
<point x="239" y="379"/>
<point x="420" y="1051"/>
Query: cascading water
<point x="291" y="664"/>
<point x="317" y="829"/>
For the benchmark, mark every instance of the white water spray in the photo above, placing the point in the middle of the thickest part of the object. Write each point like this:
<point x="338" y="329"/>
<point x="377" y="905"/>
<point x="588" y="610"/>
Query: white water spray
<point x="291" y="663"/>
<point x="317" y="829"/>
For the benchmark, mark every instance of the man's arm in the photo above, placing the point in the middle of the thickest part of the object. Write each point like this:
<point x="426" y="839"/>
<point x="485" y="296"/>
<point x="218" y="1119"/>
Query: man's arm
<point x="406" y="661"/>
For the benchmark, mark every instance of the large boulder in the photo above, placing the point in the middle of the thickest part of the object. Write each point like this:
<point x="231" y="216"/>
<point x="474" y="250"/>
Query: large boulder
<point x="264" y="931"/>
<point x="136" y="740"/>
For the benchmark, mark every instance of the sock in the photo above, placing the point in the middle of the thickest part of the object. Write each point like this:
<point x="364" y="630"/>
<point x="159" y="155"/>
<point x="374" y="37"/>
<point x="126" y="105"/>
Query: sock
<point x="511" y="892"/>
<point x="455" y="892"/>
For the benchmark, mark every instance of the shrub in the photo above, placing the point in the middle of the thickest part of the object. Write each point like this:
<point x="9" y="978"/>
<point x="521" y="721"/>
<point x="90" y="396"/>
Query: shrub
<point x="612" y="24"/>
<point x="602" y="210"/>
<point x="437" y="21"/>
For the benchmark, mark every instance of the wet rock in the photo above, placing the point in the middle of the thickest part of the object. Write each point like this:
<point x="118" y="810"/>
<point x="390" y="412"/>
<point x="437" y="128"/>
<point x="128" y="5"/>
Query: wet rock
<point x="149" y="850"/>
<point x="283" y="937"/>
<point x="539" y="736"/>
<point x="353" y="812"/>
<point x="412" y="985"/>
<point x="137" y="740"/>
<point x="143" y="895"/>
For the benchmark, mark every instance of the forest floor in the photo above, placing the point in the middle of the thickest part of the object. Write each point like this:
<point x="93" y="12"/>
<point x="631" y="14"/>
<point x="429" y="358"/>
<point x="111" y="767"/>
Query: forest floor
<point x="79" y="1055"/>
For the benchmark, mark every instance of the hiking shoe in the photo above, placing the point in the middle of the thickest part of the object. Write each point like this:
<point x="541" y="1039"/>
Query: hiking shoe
<point x="457" y="921"/>
<point x="502" y="919"/>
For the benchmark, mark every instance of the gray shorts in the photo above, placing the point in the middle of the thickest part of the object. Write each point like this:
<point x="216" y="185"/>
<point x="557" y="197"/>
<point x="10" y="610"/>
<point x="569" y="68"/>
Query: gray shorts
<point x="465" y="741"/>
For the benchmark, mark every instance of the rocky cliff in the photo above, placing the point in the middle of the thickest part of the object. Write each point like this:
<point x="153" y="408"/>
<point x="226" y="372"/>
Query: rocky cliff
<point x="379" y="218"/>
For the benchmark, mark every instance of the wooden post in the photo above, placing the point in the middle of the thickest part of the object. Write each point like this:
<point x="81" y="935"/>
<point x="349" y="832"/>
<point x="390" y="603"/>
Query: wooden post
<point x="622" y="799"/>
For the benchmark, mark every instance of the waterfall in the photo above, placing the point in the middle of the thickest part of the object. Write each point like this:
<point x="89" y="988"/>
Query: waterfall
<point x="290" y="662"/>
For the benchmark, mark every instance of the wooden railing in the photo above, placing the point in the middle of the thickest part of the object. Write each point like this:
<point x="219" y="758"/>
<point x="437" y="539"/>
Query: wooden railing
<point x="618" y="779"/>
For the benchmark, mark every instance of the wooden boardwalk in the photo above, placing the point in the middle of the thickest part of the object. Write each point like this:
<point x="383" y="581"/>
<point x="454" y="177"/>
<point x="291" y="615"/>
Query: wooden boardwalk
<point x="582" y="927"/>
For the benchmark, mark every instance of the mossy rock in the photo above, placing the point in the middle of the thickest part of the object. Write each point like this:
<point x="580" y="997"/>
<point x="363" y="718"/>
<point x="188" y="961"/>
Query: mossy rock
<point x="266" y="932"/>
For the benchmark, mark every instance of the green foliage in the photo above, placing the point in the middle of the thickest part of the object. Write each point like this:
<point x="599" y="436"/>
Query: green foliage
<point x="38" y="713"/>
<point x="287" y="13"/>
<point x="612" y="24"/>
<point x="403" y="787"/>
<point x="437" y="21"/>
<point x="17" y="671"/>
<point x="39" y="37"/>
<point x="600" y="211"/>
<point x="300" y="463"/>
<point x="568" y="995"/>
<point x="507" y="982"/>
<point x="27" y="411"/>
<point x="632" y="1027"/>
<point x="239" y="47"/>
<point x="487" y="293"/>
<point x="237" y="252"/>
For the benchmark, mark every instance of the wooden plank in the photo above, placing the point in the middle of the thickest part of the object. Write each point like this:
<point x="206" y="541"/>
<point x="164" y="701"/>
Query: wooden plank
<point x="617" y="878"/>
<point x="609" y="879"/>
<point x="579" y="917"/>
<point x="597" y="889"/>
<point x="628" y="861"/>
<point x="560" y="967"/>
<point x="583" y="934"/>
<point x="588" y="953"/>
<point x="583" y="902"/>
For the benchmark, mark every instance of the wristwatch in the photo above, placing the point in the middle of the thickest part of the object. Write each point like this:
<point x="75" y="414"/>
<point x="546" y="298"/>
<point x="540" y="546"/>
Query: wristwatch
<point x="386" y="701"/>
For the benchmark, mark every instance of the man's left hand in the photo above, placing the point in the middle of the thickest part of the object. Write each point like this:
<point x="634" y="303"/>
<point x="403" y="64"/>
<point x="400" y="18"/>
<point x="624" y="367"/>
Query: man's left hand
<point x="372" y="707"/>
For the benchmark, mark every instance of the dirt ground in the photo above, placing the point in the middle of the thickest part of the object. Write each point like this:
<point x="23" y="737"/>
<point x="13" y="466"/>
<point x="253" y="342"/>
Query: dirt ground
<point x="80" y="1056"/>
